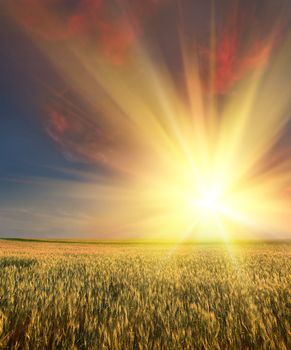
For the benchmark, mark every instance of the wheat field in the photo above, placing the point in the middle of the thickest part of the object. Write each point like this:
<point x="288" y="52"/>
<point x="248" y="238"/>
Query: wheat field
<point x="144" y="296"/>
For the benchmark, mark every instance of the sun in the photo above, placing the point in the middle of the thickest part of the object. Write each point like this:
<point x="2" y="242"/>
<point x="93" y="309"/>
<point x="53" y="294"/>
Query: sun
<point x="208" y="211"/>
<point x="208" y="202"/>
<point x="180" y="163"/>
<point x="207" y="198"/>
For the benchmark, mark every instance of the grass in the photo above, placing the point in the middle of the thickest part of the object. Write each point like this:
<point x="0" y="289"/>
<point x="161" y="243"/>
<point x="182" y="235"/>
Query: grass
<point x="144" y="296"/>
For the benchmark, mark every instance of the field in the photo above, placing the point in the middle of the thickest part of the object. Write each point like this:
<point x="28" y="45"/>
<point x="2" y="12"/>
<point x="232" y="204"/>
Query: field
<point x="144" y="296"/>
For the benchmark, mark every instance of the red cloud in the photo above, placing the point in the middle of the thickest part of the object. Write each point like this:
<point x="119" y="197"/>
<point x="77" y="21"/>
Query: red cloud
<point x="116" y="39"/>
<point x="58" y="123"/>
<point x="100" y="22"/>
<point x="67" y="131"/>
<point x="239" y="49"/>
<point x="41" y="18"/>
<point x="231" y="64"/>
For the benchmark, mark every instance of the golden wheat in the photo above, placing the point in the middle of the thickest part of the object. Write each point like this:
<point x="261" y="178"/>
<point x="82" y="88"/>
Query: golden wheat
<point x="94" y="296"/>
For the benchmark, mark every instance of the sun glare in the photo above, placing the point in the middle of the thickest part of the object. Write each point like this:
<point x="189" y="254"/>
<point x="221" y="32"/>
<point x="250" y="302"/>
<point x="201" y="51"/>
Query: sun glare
<point x="208" y="202"/>
<point x="181" y="164"/>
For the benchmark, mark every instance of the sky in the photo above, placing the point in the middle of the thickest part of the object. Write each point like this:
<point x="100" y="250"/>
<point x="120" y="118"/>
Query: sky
<point x="158" y="119"/>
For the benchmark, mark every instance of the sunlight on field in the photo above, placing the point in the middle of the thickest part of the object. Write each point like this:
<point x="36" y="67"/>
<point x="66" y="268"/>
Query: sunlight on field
<point x="143" y="296"/>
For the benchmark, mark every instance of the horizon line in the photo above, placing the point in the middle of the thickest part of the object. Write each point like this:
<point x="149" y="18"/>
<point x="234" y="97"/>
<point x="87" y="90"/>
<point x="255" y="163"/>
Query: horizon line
<point x="148" y="241"/>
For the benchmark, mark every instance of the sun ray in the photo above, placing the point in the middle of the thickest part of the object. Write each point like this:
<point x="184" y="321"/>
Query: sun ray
<point x="181" y="161"/>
